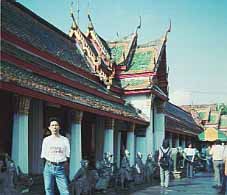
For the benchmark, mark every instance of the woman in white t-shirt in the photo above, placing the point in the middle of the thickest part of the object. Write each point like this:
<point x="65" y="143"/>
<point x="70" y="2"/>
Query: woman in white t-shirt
<point x="190" y="155"/>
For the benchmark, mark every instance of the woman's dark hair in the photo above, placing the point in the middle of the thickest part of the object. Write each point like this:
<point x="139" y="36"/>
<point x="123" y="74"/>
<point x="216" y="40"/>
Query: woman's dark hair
<point x="53" y="119"/>
<point x="165" y="143"/>
<point x="218" y="142"/>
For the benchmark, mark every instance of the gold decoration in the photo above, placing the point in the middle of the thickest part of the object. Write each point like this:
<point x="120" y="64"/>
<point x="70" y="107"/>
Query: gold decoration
<point x="211" y="134"/>
<point x="109" y="123"/>
<point x="22" y="104"/>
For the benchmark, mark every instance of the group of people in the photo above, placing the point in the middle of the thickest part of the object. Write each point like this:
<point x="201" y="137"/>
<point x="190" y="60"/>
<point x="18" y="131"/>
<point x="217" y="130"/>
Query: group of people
<point x="165" y="162"/>
<point x="56" y="153"/>
<point x="215" y="155"/>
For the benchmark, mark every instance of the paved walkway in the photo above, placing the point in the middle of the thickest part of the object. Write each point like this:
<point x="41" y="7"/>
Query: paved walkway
<point x="201" y="184"/>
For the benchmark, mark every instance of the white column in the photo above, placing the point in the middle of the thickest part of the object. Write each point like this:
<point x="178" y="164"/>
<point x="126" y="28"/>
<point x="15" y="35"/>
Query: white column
<point x="35" y="137"/>
<point x="20" y="133"/>
<point x="170" y="140"/>
<point x="76" y="144"/>
<point x="131" y="144"/>
<point x="159" y="123"/>
<point x="141" y="147"/>
<point x="149" y="139"/>
<point x="109" y="136"/>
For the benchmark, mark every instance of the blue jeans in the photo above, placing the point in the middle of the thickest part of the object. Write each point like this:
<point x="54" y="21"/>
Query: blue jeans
<point x="56" y="172"/>
<point x="189" y="167"/>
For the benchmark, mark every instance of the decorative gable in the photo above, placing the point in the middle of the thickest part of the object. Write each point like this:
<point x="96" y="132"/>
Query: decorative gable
<point x="94" y="52"/>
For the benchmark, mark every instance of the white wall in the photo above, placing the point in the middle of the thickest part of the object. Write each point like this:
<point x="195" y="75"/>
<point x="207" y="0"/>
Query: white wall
<point x="144" y="103"/>
<point x="159" y="128"/>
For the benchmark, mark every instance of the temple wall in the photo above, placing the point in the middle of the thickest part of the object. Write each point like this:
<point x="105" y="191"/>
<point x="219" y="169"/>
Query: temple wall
<point x="144" y="103"/>
<point x="141" y="102"/>
<point x="159" y="127"/>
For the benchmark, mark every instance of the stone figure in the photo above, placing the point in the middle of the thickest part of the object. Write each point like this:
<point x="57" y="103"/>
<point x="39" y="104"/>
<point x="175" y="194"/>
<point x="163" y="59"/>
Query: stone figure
<point x="81" y="183"/>
<point x="105" y="171"/>
<point x="150" y="167"/>
<point x="139" y="170"/>
<point x="125" y="169"/>
<point x="13" y="181"/>
<point x="178" y="157"/>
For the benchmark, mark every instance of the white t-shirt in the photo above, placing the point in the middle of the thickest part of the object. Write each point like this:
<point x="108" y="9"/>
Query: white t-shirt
<point x="190" y="151"/>
<point x="55" y="149"/>
<point x="217" y="152"/>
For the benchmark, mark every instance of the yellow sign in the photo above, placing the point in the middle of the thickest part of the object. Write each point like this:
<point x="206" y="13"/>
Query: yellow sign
<point x="211" y="134"/>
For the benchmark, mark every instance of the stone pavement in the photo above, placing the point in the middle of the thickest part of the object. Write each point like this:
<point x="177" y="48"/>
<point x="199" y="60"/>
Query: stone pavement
<point x="201" y="184"/>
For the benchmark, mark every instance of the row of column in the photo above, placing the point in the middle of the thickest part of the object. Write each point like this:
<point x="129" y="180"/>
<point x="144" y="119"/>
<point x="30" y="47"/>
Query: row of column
<point x="112" y="139"/>
<point x="179" y="140"/>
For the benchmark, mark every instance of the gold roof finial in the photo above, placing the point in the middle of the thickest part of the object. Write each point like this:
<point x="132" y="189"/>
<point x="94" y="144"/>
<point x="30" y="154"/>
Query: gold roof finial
<point x="169" y="30"/>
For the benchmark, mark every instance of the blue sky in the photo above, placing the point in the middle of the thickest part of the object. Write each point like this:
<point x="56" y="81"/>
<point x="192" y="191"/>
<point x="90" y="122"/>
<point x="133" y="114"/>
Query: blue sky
<point x="196" y="47"/>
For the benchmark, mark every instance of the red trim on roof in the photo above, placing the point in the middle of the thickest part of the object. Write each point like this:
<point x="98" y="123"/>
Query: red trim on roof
<point x="15" y="40"/>
<point x="57" y="77"/>
<point x="143" y="74"/>
<point x="34" y="94"/>
<point x="145" y="91"/>
<point x="116" y="90"/>
<point x="133" y="92"/>
<point x="119" y="68"/>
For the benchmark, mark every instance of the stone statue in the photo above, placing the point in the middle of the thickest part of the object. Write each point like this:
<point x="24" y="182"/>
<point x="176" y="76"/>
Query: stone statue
<point x="105" y="171"/>
<point x="125" y="169"/>
<point x="150" y="167"/>
<point x="80" y="183"/>
<point x="139" y="174"/>
<point x="12" y="179"/>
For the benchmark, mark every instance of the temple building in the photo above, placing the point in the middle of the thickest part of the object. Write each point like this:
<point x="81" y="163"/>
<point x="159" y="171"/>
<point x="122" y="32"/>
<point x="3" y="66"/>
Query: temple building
<point x="209" y="115"/>
<point x="109" y="95"/>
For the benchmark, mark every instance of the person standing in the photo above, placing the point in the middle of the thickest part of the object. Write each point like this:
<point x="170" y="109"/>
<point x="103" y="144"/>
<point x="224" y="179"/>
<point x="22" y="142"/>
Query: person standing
<point x="55" y="152"/>
<point x="208" y="159"/>
<point x="217" y="151"/>
<point x="190" y="155"/>
<point x="164" y="163"/>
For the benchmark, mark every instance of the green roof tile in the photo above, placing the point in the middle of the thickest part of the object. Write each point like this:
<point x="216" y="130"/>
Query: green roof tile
<point x="117" y="52"/>
<point x="223" y="122"/>
<point x="214" y="118"/>
<point x="141" y="61"/>
<point x="203" y="115"/>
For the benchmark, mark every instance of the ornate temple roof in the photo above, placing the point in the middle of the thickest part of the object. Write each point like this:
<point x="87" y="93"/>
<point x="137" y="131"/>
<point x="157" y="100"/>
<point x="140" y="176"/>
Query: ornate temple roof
<point x="29" y="27"/>
<point x="41" y="61"/>
<point x="181" y="120"/>
<point x="223" y="122"/>
<point x="120" y="49"/>
<point x="210" y="115"/>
